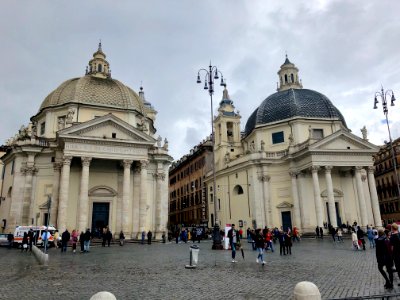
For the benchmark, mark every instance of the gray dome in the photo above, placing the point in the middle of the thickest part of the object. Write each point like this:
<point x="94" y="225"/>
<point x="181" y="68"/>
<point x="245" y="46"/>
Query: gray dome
<point x="293" y="103"/>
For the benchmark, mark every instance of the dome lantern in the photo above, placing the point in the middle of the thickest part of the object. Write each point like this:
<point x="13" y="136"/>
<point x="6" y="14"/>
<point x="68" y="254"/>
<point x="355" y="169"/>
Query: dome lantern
<point x="288" y="76"/>
<point x="98" y="65"/>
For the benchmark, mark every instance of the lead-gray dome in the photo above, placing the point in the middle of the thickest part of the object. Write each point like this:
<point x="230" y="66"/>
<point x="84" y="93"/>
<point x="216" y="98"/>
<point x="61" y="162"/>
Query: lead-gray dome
<point x="105" y="92"/>
<point x="293" y="103"/>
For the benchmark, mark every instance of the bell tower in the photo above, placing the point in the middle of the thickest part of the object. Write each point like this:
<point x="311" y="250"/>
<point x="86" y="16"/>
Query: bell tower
<point x="227" y="131"/>
<point x="289" y="77"/>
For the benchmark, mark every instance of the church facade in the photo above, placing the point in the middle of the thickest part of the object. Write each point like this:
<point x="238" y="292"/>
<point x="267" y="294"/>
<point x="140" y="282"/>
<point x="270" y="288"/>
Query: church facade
<point x="296" y="163"/>
<point x="89" y="158"/>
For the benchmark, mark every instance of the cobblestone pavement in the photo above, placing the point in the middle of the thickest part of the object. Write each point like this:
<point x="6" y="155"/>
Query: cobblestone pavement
<point x="157" y="271"/>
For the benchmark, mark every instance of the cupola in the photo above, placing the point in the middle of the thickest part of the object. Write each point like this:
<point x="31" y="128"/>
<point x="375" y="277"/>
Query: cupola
<point x="288" y="77"/>
<point x="98" y="66"/>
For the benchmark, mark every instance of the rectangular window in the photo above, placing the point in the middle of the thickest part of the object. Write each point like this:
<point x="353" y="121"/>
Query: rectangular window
<point x="42" y="128"/>
<point x="317" y="134"/>
<point x="278" y="137"/>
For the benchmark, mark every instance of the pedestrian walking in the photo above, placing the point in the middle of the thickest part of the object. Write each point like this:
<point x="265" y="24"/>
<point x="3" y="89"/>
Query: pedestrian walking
<point x="25" y="242"/>
<point x="104" y="236"/>
<point x="370" y="235"/>
<point x="288" y="243"/>
<point x="87" y="238"/>
<point x="65" y="237"/>
<point x="74" y="240"/>
<point x="395" y="242"/>
<point x="317" y="232"/>
<point x="233" y="237"/>
<point x="259" y="241"/>
<point x="56" y="238"/>
<point x="109" y="237"/>
<point x="384" y="258"/>
<point x="143" y="236"/>
<point x="82" y="241"/>
<point x="268" y="239"/>
<point x="121" y="238"/>
<point x="339" y="233"/>
<point x="149" y="236"/>
<point x="10" y="239"/>
<point x="30" y="238"/>
<point x="321" y="233"/>
<point x="282" y="246"/>
<point x="360" y="236"/>
<point x="354" y="240"/>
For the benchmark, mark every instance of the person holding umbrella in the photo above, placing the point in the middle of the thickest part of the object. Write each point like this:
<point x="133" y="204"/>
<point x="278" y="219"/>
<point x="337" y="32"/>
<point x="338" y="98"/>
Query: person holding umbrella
<point x="233" y="237"/>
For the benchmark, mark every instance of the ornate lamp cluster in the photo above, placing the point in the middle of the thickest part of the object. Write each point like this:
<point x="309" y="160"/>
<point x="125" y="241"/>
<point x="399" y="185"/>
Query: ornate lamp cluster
<point x="383" y="95"/>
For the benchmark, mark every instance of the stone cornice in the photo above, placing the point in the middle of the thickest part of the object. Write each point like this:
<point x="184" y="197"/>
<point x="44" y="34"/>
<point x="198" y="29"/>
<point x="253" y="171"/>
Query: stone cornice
<point x="107" y="142"/>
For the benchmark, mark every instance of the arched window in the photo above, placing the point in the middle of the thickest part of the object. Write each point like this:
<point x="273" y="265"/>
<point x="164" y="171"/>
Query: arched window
<point x="99" y="67"/>
<point x="238" y="190"/>
<point x="292" y="78"/>
<point x="285" y="78"/>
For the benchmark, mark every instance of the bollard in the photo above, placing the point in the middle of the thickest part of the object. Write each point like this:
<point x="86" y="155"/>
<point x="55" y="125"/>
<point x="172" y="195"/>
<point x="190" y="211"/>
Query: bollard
<point x="194" y="255"/>
<point x="306" y="290"/>
<point x="103" y="296"/>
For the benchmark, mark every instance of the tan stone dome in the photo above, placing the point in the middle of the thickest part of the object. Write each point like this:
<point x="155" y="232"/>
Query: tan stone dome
<point x="95" y="91"/>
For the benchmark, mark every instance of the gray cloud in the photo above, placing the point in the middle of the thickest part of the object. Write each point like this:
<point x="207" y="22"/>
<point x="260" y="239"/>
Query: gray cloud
<point x="344" y="49"/>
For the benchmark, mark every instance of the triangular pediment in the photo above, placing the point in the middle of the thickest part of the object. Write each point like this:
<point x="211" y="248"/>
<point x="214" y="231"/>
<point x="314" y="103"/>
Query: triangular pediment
<point x="108" y="127"/>
<point x="343" y="140"/>
<point x="284" y="204"/>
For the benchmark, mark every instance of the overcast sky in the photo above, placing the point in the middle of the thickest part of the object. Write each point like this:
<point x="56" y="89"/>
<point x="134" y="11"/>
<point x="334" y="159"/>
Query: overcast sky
<point x="344" y="49"/>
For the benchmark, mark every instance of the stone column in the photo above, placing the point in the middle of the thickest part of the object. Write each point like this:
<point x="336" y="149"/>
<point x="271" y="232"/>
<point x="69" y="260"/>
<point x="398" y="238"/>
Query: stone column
<point x="56" y="189"/>
<point x="135" y="203"/>
<point x="126" y="187"/>
<point x="296" y="202"/>
<point x="317" y="196"/>
<point x="374" y="197"/>
<point x="27" y="206"/>
<point x="267" y="200"/>
<point x="64" y="190"/>
<point x="84" y="195"/>
<point x="160" y="177"/>
<point x="17" y="198"/>
<point x="143" y="195"/>
<point x="331" y="197"/>
<point x="29" y="195"/>
<point x="361" y="199"/>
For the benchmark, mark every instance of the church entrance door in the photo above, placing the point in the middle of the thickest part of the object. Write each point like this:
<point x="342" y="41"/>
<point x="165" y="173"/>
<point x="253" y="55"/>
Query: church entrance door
<point x="100" y="216"/>
<point x="286" y="220"/>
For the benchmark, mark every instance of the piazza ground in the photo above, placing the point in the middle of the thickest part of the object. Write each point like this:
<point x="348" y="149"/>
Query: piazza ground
<point x="158" y="271"/>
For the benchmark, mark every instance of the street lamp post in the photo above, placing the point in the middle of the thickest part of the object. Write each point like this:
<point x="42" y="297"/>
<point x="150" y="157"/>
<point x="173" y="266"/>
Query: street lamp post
<point x="211" y="75"/>
<point x="382" y="95"/>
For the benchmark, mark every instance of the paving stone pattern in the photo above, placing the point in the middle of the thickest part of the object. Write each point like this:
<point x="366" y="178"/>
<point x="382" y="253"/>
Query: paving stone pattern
<point x="158" y="271"/>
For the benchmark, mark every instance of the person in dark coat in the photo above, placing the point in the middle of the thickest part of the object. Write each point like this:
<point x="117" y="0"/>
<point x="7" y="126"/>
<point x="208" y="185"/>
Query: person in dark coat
<point x="384" y="257"/>
<point x="234" y="239"/>
<point x="149" y="236"/>
<point x="259" y="241"/>
<point x="109" y="237"/>
<point x="317" y="232"/>
<point x="82" y="241"/>
<point x="104" y="236"/>
<point x="65" y="237"/>
<point x="87" y="238"/>
<point x="121" y="238"/>
<point x="30" y="237"/>
<point x="25" y="242"/>
<point x="321" y="232"/>
<point x="288" y="243"/>
<point x="395" y="242"/>
<point x="282" y="246"/>
<point x="360" y="237"/>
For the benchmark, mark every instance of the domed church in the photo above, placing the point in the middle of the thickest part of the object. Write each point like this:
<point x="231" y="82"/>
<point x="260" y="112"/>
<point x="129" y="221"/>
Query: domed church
<point x="295" y="164"/>
<point x="89" y="158"/>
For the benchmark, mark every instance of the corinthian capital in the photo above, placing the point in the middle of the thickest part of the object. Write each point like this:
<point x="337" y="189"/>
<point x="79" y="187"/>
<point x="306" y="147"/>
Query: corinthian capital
<point x="57" y="166"/>
<point x="293" y="174"/>
<point x="371" y="169"/>
<point x="264" y="178"/>
<point x="86" y="161"/>
<point x="127" y="163"/>
<point x="144" y="164"/>
<point x="358" y="168"/>
<point x="160" y="176"/>
<point x="315" y="169"/>
<point x="328" y="169"/>
<point x="67" y="160"/>
<point x="29" y="170"/>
